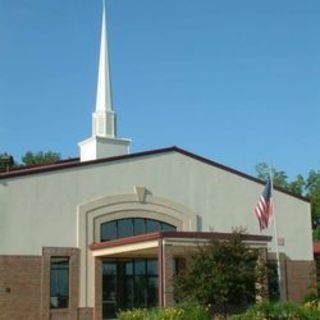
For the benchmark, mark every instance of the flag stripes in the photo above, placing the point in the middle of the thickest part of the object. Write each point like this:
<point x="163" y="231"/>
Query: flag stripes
<point x="263" y="209"/>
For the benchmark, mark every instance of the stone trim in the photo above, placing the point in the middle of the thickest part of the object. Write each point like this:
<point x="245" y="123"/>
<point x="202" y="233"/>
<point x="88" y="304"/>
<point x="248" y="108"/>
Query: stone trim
<point x="95" y="212"/>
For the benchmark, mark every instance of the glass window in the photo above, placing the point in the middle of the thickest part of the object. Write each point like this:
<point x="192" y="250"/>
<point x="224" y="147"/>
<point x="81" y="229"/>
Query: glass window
<point x="153" y="225"/>
<point x="167" y="227"/>
<point x="110" y="268"/>
<point x="140" y="297"/>
<point x="125" y="228"/>
<point x="109" y="231"/>
<point x="140" y="267"/>
<point x="139" y="226"/>
<point x="129" y="268"/>
<point x="152" y="291"/>
<point x="152" y="267"/>
<point x="59" y="282"/>
<point x="109" y="288"/>
<point x="134" y="285"/>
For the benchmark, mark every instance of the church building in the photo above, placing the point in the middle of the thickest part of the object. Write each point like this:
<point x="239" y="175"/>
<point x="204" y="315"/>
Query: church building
<point x="82" y="238"/>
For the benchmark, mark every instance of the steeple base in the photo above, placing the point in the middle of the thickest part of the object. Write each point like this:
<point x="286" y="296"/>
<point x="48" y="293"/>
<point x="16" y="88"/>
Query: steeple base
<point x="102" y="147"/>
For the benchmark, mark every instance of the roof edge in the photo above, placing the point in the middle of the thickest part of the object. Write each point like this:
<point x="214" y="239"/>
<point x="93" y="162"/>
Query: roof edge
<point x="237" y="172"/>
<point x="71" y="163"/>
<point x="66" y="164"/>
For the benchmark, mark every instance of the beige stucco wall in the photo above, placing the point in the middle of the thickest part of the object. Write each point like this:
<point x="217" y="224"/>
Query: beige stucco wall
<point x="41" y="210"/>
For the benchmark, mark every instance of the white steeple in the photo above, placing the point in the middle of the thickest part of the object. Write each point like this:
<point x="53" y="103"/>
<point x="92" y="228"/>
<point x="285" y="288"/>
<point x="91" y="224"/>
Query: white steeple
<point x="104" y="141"/>
<point x="103" y="123"/>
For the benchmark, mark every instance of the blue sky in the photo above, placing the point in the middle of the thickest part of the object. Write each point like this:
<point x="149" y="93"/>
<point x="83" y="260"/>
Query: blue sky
<point x="234" y="81"/>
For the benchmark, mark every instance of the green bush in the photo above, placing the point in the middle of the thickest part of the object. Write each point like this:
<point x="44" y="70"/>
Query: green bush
<point x="179" y="312"/>
<point x="264" y="311"/>
<point x="313" y="304"/>
<point x="135" y="314"/>
<point x="279" y="311"/>
<point x="221" y="273"/>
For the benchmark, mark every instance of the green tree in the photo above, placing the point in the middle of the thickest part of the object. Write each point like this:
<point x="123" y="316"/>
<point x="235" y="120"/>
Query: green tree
<point x="36" y="158"/>
<point x="6" y="161"/>
<point x="298" y="185"/>
<point x="313" y="192"/>
<point x="280" y="179"/>
<point x="220" y="273"/>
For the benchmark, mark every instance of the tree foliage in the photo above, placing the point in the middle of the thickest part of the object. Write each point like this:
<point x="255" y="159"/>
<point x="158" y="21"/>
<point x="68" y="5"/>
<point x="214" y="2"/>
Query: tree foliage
<point x="30" y="158"/>
<point x="313" y="192"/>
<point x="280" y="179"/>
<point x="220" y="273"/>
<point x="36" y="158"/>
<point x="6" y="161"/>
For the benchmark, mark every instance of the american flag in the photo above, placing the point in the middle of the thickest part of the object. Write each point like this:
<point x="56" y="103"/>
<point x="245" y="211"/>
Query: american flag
<point x="264" y="206"/>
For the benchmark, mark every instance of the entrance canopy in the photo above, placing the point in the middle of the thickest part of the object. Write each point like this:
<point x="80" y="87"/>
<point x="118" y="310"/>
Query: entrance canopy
<point x="137" y="271"/>
<point x="150" y="243"/>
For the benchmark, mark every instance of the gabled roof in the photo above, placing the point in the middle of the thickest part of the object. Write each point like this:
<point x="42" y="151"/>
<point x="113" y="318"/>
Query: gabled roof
<point x="73" y="163"/>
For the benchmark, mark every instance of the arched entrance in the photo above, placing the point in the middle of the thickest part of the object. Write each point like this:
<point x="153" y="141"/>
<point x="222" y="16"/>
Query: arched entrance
<point x="129" y="282"/>
<point x="94" y="214"/>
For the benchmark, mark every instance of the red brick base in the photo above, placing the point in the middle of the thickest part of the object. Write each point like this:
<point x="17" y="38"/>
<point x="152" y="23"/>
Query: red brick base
<point x="24" y="285"/>
<point x="20" y="287"/>
<point x="301" y="279"/>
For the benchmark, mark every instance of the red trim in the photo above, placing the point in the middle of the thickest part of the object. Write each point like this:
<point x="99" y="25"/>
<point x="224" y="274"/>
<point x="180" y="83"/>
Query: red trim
<point x="60" y="166"/>
<point x="124" y="241"/>
<point x="175" y="235"/>
<point x="316" y="247"/>
<point x="71" y="163"/>
<point x="38" y="168"/>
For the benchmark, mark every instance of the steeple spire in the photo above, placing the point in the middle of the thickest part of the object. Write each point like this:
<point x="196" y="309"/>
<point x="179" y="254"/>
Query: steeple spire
<point x="104" y="142"/>
<point x="104" y="119"/>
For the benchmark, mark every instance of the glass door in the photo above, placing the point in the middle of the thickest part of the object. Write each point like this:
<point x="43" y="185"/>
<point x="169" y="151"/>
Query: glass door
<point x="109" y="289"/>
<point x="127" y="284"/>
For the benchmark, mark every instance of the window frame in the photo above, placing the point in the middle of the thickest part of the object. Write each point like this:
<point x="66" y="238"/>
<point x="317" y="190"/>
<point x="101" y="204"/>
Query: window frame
<point x="52" y="268"/>
<point x="147" y="222"/>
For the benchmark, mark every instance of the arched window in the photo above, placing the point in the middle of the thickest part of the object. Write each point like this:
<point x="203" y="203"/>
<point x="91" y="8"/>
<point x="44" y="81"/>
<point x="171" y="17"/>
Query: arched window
<point x="122" y="228"/>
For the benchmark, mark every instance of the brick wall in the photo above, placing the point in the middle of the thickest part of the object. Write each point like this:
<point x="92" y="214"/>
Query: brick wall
<point x="71" y="313"/>
<point x="301" y="279"/>
<point x="168" y="273"/>
<point x="20" y="287"/>
<point x="25" y="287"/>
<point x="85" y="313"/>
<point x="25" y="281"/>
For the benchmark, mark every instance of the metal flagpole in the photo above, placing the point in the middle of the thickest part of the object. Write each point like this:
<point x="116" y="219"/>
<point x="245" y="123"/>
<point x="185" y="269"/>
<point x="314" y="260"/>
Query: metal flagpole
<point x="275" y="233"/>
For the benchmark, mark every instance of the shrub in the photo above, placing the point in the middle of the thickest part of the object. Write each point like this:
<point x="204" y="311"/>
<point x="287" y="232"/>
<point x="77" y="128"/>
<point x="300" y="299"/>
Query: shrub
<point x="313" y="304"/>
<point x="179" y="312"/>
<point x="278" y="311"/>
<point x="135" y="314"/>
<point x="220" y="273"/>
